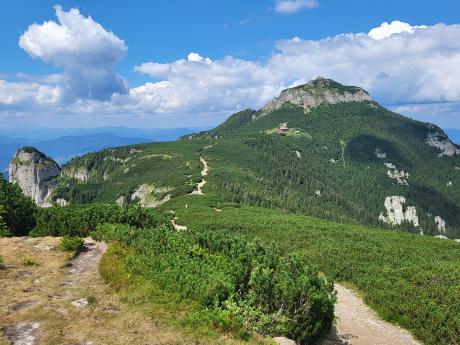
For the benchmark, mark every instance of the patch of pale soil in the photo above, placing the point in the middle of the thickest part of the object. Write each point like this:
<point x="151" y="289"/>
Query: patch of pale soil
<point x="178" y="227"/>
<point x="357" y="324"/>
<point x="200" y="185"/>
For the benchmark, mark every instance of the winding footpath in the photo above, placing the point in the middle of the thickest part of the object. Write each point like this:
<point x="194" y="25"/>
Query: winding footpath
<point x="200" y="185"/>
<point x="357" y="324"/>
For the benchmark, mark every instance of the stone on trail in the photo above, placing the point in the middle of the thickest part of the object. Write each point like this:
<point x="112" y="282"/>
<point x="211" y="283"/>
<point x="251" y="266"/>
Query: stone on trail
<point x="80" y="303"/>
<point x="284" y="341"/>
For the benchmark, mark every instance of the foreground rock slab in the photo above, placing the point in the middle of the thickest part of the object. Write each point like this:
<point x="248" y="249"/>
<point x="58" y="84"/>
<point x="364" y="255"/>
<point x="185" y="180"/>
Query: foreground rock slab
<point x="23" y="333"/>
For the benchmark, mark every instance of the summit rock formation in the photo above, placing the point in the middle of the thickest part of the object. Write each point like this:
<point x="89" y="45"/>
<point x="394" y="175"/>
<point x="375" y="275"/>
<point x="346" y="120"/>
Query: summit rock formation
<point x="35" y="173"/>
<point x="317" y="92"/>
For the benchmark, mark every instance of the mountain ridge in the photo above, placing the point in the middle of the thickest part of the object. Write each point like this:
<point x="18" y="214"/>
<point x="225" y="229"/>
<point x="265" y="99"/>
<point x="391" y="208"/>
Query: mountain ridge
<point x="321" y="162"/>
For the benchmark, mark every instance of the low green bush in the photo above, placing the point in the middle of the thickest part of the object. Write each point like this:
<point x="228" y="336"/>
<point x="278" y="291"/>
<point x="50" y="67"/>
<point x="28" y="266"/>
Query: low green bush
<point x="2" y="264"/>
<point x="273" y="294"/>
<point x="206" y="325"/>
<point x="79" y="221"/>
<point x="29" y="262"/>
<point x="71" y="244"/>
<point x="407" y="279"/>
<point x="4" y="231"/>
<point x="17" y="212"/>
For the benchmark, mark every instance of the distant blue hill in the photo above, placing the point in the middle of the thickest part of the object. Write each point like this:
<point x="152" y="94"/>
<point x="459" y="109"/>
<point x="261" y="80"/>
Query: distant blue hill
<point x="45" y="133"/>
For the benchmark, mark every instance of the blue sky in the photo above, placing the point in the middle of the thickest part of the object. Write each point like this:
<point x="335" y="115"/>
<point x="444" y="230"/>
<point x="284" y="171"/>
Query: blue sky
<point x="131" y="63"/>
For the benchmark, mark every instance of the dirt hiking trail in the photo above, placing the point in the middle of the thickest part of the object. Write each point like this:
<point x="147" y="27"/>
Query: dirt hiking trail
<point x="357" y="324"/>
<point x="49" y="298"/>
<point x="200" y="185"/>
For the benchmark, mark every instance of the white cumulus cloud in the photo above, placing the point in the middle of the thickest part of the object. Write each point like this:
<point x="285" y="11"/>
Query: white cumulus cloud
<point x="198" y="83"/>
<point x="293" y="6"/>
<point x="416" y="65"/>
<point x="395" y="27"/>
<point x="85" y="51"/>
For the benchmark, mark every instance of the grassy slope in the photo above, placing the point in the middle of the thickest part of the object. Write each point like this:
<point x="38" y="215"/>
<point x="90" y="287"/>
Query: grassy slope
<point x="408" y="279"/>
<point x="284" y="180"/>
<point x="171" y="164"/>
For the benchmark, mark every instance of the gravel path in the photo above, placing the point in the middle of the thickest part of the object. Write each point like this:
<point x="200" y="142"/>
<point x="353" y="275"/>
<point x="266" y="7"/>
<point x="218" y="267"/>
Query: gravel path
<point x="357" y="324"/>
<point x="200" y="185"/>
<point x="89" y="257"/>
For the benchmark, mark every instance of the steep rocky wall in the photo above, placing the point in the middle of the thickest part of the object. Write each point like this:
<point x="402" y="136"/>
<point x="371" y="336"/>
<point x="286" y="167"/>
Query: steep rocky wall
<point x="35" y="173"/>
<point x="79" y="173"/>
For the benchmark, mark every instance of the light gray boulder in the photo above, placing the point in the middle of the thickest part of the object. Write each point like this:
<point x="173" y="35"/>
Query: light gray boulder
<point x="284" y="341"/>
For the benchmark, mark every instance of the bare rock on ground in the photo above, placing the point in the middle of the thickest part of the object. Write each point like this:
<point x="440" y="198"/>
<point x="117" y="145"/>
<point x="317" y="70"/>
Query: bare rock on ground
<point x="23" y="333"/>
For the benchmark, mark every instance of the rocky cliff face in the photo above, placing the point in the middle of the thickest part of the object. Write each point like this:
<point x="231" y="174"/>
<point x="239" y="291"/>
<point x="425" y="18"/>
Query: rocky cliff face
<point x="35" y="173"/>
<point x="439" y="140"/>
<point x="80" y="173"/>
<point x="317" y="92"/>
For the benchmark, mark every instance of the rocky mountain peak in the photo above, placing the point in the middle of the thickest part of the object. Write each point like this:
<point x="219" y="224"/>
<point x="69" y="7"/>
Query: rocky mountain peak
<point x="317" y="92"/>
<point x="35" y="173"/>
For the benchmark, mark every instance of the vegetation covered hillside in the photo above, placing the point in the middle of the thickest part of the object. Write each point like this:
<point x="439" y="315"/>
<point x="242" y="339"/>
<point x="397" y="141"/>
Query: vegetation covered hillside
<point x="343" y="159"/>
<point x="408" y="279"/>
<point x="257" y="196"/>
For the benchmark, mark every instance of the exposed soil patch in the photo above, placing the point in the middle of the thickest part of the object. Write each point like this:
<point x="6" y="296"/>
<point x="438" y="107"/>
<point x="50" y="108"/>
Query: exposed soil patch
<point x="23" y="305"/>
<point x="176" y="226"/>
<point x="88" y="258"/>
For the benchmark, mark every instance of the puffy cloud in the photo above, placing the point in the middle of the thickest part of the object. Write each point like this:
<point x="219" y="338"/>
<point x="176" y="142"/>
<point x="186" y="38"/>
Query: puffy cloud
<point x="85" y="51"/>
<point x="195" y="57"/>
<point x="396" y="27"/>
<point x="200" y="84"/>
<point x="416" y="65"/>
<point x="293" y="6"/>
<point x="16" y="95"/>
<point x="444" y="114"/>
<point x="402" y="68"/>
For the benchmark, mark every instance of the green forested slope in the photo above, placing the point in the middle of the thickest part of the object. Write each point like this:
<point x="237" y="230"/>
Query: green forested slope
<point x="326" y="166"/>
<point x="118" y="172"/>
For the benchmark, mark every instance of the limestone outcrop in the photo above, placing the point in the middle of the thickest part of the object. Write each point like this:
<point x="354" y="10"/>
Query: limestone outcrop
<point x="317" y="92"/>
<point x="35" y="173"/>
<point x="395" y="213"/>
<point x="80" y="173"/>
<point x="441" y="141"/>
